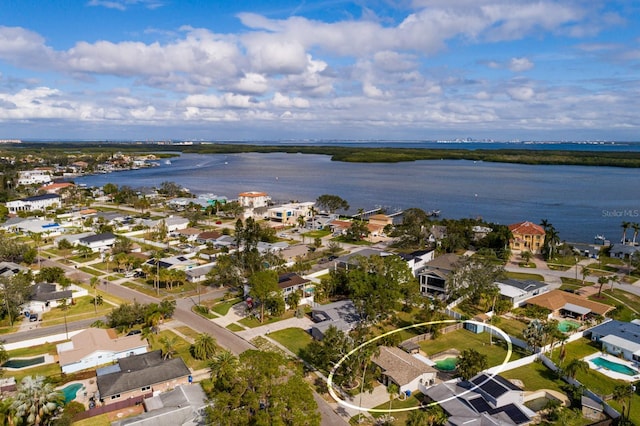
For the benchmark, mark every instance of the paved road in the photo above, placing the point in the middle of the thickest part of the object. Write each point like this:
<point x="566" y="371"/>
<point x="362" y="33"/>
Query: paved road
<point x="48" y="331"/>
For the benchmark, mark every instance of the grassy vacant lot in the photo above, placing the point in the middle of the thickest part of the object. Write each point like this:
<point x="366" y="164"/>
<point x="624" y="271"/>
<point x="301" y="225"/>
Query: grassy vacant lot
<point x="535" y="376"/>
<point x="464" y="339"/>
<point x="294" y="339"/>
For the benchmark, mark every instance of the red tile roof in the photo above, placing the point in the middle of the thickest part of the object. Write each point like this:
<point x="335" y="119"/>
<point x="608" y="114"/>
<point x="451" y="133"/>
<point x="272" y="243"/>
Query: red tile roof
<point x="526" y="228"/>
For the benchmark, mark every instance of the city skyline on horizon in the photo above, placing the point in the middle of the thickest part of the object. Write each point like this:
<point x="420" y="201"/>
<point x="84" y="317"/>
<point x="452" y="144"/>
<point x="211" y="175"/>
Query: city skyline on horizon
<point x="321" y="70"/>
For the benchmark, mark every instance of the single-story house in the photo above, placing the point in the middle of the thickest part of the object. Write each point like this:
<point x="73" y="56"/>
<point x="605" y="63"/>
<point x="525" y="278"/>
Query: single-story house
<point x="623" y="251"/>
<point x="181" y="262"/>
<point x="433" y="277"/>
<point x="208" y="237"/>
<point x="97" y="346"/>
<point x="30" y="204"/>
<point x="9" y="269"/>
<point x="54" y="188"/>
<point x="403" y="369"/>
<point x="565" y="304"/>
<point x="32" y="226"/>
<point x="140" y="375"/>
<point x="618" y="338"/>
<point x="190" y="234"/>
<point x="45" y="296"/>
<point x="198" y="274"/>
<point x="517" y="291"/>
<point x="98" y="242"/>
<point x="182" y="406"/>
<point x="341" y="315"/>
<point x="482" y="401"/>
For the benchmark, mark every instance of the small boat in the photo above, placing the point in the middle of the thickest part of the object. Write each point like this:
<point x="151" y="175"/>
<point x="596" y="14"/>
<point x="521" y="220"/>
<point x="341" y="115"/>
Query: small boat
<point x="167" y="162"/>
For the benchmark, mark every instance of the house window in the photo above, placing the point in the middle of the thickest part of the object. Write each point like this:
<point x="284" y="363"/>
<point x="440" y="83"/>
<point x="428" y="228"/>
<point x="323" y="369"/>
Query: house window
<point x="145" y="388"/>
<point x="116" y="396"/>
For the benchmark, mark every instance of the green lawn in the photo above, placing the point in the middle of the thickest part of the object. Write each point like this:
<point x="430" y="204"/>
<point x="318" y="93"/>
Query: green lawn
<point x="626" y="305"/>
<point x="294" y="339"/>
<point x="464" y="339"/>
<point x="101" y="420"/>
<point x="223" y="308"/>
<point x="512" y="327"/>
<point x="82" y="309"/>
<point x="524" y="276"/>
<point x="253" y="322"/>
<point x="234" y="327"/>
<point x="535" y="376"/>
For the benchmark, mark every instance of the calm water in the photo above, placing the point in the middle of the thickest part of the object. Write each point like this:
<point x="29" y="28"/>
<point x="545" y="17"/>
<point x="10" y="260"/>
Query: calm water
<point x="579" y="201"/>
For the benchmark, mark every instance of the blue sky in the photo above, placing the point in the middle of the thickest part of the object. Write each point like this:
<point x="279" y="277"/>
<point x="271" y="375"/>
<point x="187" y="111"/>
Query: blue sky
<point x="377" y="69"/>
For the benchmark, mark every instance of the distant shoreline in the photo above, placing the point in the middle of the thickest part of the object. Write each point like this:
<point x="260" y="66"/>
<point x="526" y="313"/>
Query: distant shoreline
<point x="360" y="154"/>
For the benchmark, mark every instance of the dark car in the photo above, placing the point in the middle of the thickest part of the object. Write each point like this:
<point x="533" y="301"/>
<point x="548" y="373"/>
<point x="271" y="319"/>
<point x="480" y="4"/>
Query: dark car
<point x="134" y="332"/>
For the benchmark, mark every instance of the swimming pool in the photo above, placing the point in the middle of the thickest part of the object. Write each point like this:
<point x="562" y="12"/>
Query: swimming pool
<point x="567" y="325"/>
<point x="447" y="364"/>
<point x="70" y="392"/>
<point x="23" y="362"/>
<point x="614" y="366"/>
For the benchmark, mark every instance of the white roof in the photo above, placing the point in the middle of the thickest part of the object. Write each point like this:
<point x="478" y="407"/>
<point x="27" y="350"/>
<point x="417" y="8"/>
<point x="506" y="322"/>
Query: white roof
<point x="510" y="291"/>
<point x="629" y="345"/>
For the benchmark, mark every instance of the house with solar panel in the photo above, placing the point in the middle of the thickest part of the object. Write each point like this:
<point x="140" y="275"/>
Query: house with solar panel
<point x="483" y="400"/>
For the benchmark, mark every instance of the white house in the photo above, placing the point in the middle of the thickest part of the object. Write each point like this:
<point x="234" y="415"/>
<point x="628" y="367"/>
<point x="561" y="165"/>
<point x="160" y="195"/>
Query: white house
<point x="403" y="369"/>
<point x="253" y="199"/>
<point x="198" y="274"/>
<point x="618" y="338"/>
<point x="97" y="346"/>
<point x="518" y="291"/>
<point x="32" y="226"/>
<point x="30" y="204"/>
<point x="98" y="242"/>
<point x="289" y="213"/>
<point x="34" y="177"/>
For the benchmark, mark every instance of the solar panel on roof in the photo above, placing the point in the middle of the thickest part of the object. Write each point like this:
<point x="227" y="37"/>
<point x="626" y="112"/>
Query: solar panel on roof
<point x="514" y="414"/>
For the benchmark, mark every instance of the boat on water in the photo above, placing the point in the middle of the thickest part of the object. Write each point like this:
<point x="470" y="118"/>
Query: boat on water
<point x="433" y="213"/>
<point x="600" y="240"/>
<point x="167" y="162"/>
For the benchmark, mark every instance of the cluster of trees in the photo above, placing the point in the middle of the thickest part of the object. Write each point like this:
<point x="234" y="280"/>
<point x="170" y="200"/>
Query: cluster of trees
<point x="540" y="333"/>
<point x="259" y="388"/>
<point x="126" y="316"/>
<point x="12" y="250"/>
<point x="551" y="240"/>
<point x="36" y="402"/>
<point x="416" y="227"/>
<point x="376" y="284"/>
<point x="15" y="291"/>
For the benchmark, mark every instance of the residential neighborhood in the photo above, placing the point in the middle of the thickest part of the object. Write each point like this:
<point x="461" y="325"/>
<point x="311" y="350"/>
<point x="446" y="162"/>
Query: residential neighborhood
<point x="132" y="303"/>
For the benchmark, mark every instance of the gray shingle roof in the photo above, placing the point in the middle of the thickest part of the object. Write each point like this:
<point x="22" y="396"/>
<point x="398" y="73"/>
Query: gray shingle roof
<point x="138" y="371"/>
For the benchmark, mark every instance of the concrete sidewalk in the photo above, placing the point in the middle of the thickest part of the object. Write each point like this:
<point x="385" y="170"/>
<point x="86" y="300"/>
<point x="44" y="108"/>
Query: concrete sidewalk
<point x="304" y="323"/>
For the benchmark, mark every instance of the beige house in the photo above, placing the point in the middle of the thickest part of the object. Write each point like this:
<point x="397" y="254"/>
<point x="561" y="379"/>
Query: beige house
<point x="253" y="199"/>
<point x="403" y="369"/>
<point x="527" y="236"/>
<point x="97" y="346"/>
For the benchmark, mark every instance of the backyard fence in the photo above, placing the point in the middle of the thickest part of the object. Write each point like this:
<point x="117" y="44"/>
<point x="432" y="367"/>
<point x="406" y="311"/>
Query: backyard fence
<point x="429" y="336"/>
<point x="96" y="411"/>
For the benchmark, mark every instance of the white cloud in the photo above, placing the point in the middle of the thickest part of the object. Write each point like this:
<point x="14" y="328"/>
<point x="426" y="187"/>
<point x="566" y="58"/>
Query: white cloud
<point x="125" y="4"/>
<point x="521" y="93"/>
<point x="281" y="101"/>
<point x="252" y="83"/>
<point x="520" y="64"/>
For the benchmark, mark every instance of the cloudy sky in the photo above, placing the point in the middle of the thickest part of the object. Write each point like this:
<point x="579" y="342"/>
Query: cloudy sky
<point x="279" y="69"/>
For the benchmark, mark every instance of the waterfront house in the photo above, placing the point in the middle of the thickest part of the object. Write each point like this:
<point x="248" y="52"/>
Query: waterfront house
<point x="527" y="236"/>
<point x="288" y="214"/>
<point x="403" y="369"/>
<point x="140" y="375"/>
<point x="342" y="315"/>
<point x="565" y="304"/>
<point x="97" y="346"/>
<point x="623" y="251"/>
<point x="253" y="199"/>
<point x="35" y="203"/>
<point x="518" y="291"/>
<point x="618" y="338"/>
<point x="433" y="278"/>
<point x="34" y="177"/>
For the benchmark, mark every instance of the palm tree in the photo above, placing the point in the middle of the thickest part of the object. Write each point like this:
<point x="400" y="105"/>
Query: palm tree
<point x="7" y="414"/>
<point x="602" y="281"/>
<point x="168" y="346"/>
<point x="575" y="366"/>
<point x="36" y="401"/>
<point x="94" y="285"/>
<point x="545" y="224"/>
<point x="223" y="369"/>
<point x="205" y="346"/>
<point x="585" y="273"/>
<point x="622" y="392"/>
<point x="36" y="237"/>
<point x="625" y="225"/>
<point x="392" y="390"/>
<point x="636" y="228"/>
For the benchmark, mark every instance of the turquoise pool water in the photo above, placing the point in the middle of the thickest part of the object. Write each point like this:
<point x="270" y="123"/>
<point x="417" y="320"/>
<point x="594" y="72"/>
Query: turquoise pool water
<point x="447" y="364"/>
<point x="614" y="366"/>
<point x="70" y="392"/>
<point x="22" y="363"/>
<point x="567" y="325"/>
